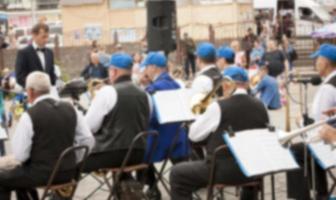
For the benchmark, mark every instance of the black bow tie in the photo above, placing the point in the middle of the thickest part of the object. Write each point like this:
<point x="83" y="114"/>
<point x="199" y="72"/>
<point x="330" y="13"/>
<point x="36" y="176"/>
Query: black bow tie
<point x="41" y="49"/>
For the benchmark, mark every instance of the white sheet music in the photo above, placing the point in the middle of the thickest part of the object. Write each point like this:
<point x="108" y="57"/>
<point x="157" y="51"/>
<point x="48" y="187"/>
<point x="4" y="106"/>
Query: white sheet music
<point x="259" y="152"/>
<point x="323" y="154"/>
<point x="173" y="106"/>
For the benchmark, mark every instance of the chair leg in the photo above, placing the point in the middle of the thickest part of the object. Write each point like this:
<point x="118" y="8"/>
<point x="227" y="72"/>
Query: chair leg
<point x="262" y="189"/>
<point x="333" y="186"/>
<point x="161" y="180"/>
<point x="94" y="191"/>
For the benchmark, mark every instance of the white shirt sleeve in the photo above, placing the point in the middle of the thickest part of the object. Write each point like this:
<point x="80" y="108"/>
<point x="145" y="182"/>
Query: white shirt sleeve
<point x="206" y="123"/>
<point x="83" y="134"/>
<point x="23" y="138"/>
<point x="102" y="104"/>
<point x="202" y="84"/>
<point x="325" y="99"/>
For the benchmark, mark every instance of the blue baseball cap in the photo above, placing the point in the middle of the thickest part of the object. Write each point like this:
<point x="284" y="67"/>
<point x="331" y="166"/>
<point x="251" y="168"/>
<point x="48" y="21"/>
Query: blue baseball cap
<point x="206" y="50"/>
<point x="236" y="73"/>
<point x="327" y="51"/>
<point x="121" y="61"/>
<point x="155" y="58"/>
<point x="226" y="53"/>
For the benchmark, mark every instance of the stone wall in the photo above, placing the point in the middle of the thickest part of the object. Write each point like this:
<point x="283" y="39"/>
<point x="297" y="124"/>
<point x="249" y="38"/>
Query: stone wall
<point x="71" y="59"/>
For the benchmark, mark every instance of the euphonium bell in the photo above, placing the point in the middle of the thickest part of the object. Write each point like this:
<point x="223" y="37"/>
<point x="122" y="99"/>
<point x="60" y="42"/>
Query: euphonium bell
<point x="200" y="102"/>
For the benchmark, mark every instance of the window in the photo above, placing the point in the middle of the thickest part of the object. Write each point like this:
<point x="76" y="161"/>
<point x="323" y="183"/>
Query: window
<point x="122" y="4"/>
<point x="47" y="4"/>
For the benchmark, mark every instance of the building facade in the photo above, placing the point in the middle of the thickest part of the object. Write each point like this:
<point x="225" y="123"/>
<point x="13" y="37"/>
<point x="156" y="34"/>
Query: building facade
<point x="102" y="20"/>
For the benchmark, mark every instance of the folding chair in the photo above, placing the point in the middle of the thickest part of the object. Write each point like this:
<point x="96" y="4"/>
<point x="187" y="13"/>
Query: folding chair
<point x="160" y="173"/>
<point x="220" y="187"/>
<point x="66" y="190"/>
<point x="124" y="168"/>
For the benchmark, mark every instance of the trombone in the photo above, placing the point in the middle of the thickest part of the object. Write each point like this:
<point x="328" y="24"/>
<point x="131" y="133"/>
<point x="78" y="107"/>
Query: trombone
<point x="290" y="136"/>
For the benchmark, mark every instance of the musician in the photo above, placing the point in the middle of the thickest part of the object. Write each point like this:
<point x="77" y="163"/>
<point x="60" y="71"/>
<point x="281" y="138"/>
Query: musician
<point x="95" y="70"/>
<point x="219" y="117"/>
<point x="268" y="89"/>
<point x="225" y="58"/>
<point x="209" y="75"/>
<point x="35" y="57"/>
<point x="328" y="134"/>
<point x="325" y="99"/>
<point x="157" y="72"/>
<point x="117" y="114"/>
<point x="42" y="134"/>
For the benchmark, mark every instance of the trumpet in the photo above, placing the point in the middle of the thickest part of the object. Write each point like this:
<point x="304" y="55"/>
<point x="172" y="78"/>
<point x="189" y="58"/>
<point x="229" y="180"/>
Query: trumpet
<point x="290" y="136"/>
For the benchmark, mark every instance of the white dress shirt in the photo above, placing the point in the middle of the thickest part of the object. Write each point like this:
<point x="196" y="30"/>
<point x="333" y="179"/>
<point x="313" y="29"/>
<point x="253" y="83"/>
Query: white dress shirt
<point x="103" y="103"/>
<point x="41" y="56"/>
<point x="22" y="140"/>
<point x="325" y="99"/>
<point x="202" y="83"/>
<point x="209" y="121"/>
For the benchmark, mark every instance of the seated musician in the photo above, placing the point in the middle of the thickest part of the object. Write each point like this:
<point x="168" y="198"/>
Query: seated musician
<point x="297" y="183"/>
<point x="157" y="72"/>
<point x="43" y="132"/>
<point x="328" y="132"/>
<point x="117" y="114"/>
<point x="220" y="116"/>
<point x="225" y="58"/>
<point x="209" y="75"/>
<point x="268" y="88"/>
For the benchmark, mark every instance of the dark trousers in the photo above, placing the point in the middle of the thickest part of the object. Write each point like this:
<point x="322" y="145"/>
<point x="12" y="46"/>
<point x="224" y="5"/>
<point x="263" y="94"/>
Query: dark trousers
<point x="111" y="159"/>
<point x="189" y="63"/>
<point x="24" y="181"/>
<point x="188" y="177"/>
<point x="148" y="176"/>
<point x="298" y="185"/>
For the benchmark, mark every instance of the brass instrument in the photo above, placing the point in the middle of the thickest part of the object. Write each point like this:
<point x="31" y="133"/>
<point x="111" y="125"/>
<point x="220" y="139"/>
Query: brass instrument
<point x="288" y="137"/>
<point x="94" y="85"/>
<point x="201" y="102"/>
<point x="255" y="80"/>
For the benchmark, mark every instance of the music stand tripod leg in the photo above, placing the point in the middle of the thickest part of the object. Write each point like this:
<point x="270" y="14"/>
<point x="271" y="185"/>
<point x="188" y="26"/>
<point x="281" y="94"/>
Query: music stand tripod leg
<point x="273" y="186"/>
<point x="333" y="186"/>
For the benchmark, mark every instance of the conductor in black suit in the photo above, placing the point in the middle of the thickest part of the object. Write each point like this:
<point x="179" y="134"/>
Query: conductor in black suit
<point x="35" y="57"/>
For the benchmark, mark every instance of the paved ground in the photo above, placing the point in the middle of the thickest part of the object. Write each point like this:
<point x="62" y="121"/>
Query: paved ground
<point x="278" y="119"/>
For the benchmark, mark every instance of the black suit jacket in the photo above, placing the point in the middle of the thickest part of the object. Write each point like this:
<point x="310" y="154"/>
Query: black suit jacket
<point x="27" y="61"/>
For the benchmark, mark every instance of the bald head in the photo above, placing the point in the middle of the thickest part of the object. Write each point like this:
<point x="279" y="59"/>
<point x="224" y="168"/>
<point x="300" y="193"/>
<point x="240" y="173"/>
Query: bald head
<point x="94" y="57"/>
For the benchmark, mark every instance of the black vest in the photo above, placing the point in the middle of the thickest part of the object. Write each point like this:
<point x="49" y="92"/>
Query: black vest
<point x="332" y="81"/>
<point x="238" y="113"/>
<point x="129" y="117"/>
<point x="54" y="125"/>
<point x="215" y="75"/>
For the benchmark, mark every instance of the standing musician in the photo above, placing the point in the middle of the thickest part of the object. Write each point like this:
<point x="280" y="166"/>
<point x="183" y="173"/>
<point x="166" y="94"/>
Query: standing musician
<point x="225" y="58"/>
<point x="325" y="99"/>
<point x="43" y="132"/>
<point x="209" y="75"/>
<point x="36" y="57"/>
<point x="157" y="72"/>
<point x="220" y="116"/>
<point x="117" y="114"/>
